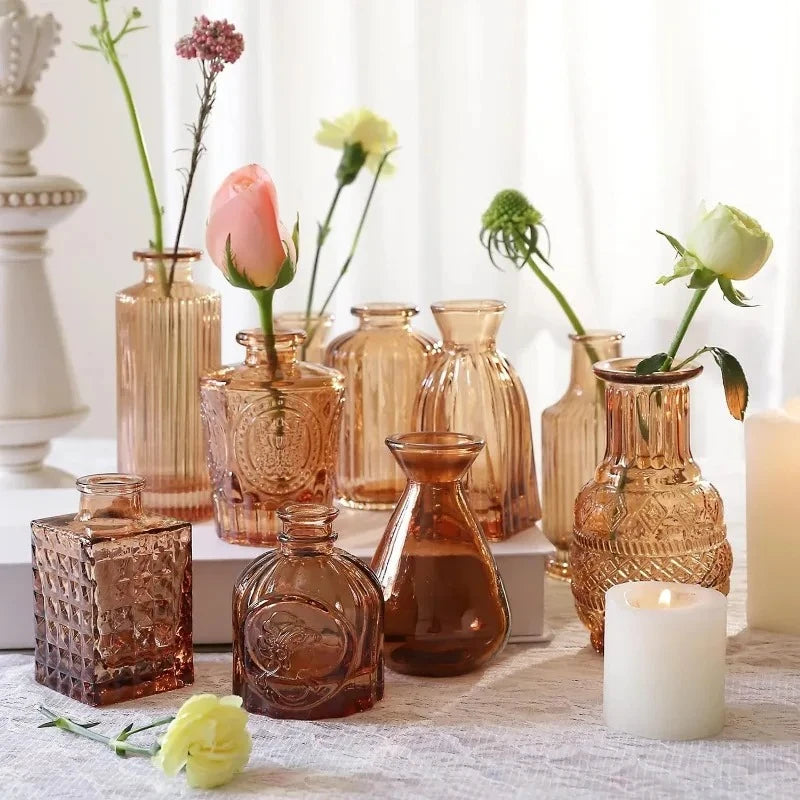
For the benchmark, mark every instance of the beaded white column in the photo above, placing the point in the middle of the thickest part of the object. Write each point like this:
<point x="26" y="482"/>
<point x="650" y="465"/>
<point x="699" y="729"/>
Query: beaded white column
<point x="38" y="400"/>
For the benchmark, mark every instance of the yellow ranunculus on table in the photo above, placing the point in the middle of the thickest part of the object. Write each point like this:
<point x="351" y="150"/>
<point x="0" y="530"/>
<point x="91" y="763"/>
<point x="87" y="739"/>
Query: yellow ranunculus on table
<point x="528" y="726"/>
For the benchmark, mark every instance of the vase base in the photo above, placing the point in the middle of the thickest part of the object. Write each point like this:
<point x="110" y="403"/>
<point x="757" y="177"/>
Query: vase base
<point x="366" y="505"/>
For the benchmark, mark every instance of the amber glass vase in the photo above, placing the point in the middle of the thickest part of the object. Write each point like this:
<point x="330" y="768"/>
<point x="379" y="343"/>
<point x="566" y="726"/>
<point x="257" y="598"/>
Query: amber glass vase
<point x="319" y="330"/>
<point x="471" y="387"/>
<point x="164" y="345"/>
<point x="384" y="361"/>
<point x="308" y="625"/>
<point x="573" y="442"/>
<point x="272" y="427"/>
<point x="112" y="596"/>
<point x="647" y="515"/>
<point x="446" y="609"/>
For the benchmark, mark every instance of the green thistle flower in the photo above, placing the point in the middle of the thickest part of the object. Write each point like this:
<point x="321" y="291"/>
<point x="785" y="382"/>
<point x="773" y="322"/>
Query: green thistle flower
<point x="511" y="228"/>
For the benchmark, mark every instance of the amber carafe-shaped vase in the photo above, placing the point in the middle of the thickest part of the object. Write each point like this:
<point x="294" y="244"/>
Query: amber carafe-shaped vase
<point x="446" y="609"/>
<point x="112" y="596"/>
<point x="164" y="345"/>
<point x="272" y="427"/>
<point x="308" y="625"/>
<point x="471" y="387"/>
<point x="383" y="361"/>
<point x="647" y="515"/>
<point x="573" y="442"/>
<point x="319" y="330"/>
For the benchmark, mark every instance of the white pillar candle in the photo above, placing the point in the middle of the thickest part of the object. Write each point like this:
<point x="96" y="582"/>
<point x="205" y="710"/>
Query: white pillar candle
<point x="772" y="447"/>
<point x="665" y="660"/>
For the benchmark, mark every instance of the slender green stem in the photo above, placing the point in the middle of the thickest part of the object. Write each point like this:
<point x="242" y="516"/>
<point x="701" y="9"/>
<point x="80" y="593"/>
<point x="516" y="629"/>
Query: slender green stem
<point x="694" y="304"/>
<point x="556" y="292"/>
<point x="264" y="298"/>
<point x="322" y="235"/>
<point x="109" y="48"/>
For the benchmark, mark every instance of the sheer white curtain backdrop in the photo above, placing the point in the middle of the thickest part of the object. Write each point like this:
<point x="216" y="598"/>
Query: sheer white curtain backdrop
<point x="615" y="118"/>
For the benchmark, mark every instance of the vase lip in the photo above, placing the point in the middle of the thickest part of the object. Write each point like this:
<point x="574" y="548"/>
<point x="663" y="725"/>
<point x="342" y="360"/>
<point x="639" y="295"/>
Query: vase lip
<point x="300" y="316"/>
<point x="307" y="513"/>
<point x="184" y="255"/>
<point x="254" y="337"/>
<point x="437" y="441"/>
<point x="622" y="370"/>
<point x="110" y="483"/>
<point x="480" y="306"/>
<point x="593" y="334"/>
<point x="381" y="309"/>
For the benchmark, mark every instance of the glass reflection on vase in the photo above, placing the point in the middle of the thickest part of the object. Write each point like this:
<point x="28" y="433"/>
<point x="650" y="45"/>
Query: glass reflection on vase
<point x="471" y="387"/>
<point x="648" y="514"/>
<point x="573" y="442"/>
<point x="384" y="361"/>
<point x="446" y="609"/>
<point x="164" y="345"/>
<point x="272" y="428"/>
<point x="316" y="336"/>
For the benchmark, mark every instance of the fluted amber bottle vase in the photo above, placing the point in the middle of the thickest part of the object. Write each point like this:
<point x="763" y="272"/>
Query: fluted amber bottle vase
<point x="648" y="514"/>
<point x="446" y="609"/>
<point x="471" y="387"/>
<point x="573" y="442"/>
<point x="272" y="426"/>
<point x="383" y="361"/>
<point x="164" y="345"/>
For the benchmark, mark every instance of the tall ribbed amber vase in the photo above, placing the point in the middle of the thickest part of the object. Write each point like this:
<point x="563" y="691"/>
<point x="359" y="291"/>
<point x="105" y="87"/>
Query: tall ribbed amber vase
<point x="164" y="345"/>
<point x="648" y="514"/>
<point x="383" y="361"/>
<point x="573" y="442"/>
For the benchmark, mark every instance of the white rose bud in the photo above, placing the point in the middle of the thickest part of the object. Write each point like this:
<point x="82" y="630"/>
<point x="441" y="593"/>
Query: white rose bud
<point x="729" y="242"/>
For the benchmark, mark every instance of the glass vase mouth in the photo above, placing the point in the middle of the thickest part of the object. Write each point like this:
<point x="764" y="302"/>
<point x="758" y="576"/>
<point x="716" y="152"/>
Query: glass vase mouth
<point x="297" y="319"/>
<point x="384" y="310"/>
<point x="599" y="335"/>
<point x="623" y="370"/>
<point x="307" y="513"/>
<point x="254" y="337"/>
<point x="185" y="255"/>
<point x="468" y="306"/>
<point x="110" y="483"/>
<point x="435" y="442"/>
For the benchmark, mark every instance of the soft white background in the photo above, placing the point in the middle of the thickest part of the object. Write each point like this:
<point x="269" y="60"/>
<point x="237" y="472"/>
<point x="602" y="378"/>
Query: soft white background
<point x="615" y="118"/>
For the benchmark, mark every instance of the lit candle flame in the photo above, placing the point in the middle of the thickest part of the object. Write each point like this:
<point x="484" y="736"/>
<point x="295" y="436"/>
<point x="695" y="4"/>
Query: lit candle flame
<point x="665" y="599"/>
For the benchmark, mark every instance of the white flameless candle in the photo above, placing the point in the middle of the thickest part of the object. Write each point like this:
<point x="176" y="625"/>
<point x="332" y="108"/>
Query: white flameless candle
<point x="665" y="660"/>
<point x="772" y="447"/>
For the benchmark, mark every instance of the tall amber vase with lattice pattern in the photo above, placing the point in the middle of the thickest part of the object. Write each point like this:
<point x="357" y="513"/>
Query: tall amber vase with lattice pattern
<point x="648" y="514"/>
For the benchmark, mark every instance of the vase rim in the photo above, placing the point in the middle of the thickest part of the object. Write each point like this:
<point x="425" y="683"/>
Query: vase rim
<point x="469" y="306"/>
<point x="255" y="336"/>
<point x="110" y="483"/>
<point x="595" y="334"/>
<point x="437" y="441"/>
<point x="622" y="370"/>
<point x="307" y="513"/>
<point x="384" y="309"/>
<point x="301" y="316"/>
<point x="184" y="254"/>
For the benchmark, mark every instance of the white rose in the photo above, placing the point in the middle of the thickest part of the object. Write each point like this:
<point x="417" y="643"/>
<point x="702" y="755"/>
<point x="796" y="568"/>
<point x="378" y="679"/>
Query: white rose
<point x="729" y="242"/>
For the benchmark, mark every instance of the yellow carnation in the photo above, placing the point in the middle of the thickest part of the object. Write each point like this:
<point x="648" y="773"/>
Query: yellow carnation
<point x="375" y="134"/>
<point x="209" y="738"/>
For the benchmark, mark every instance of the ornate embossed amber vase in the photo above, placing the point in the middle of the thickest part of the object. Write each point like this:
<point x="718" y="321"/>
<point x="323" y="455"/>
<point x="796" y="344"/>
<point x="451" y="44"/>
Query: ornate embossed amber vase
<point x="446" y="609"/>
<point x="308" y="625"/>
<point x="573" y="442"/>
<point x="273" y="433"/>
<point x="320" y="331"/>
<point x="112" y="596"/>
<point x="164" y="345"/>
<point x="471" y="387"/>
<point x="384" y="361"/>
<point x="648" y="515"/>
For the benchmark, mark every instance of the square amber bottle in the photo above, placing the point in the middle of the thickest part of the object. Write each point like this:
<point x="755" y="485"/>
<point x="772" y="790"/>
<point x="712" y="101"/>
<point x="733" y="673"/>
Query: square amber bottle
<point x="112" y="590"/>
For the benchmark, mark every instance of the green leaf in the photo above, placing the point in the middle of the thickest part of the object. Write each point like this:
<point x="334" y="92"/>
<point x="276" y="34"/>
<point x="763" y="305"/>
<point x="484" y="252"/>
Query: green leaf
<point x="702" y="278"/>
<point x="652" y="364"/>
<point x="285" y="275"/>
<point x="236" y="278"/>
<point x="679" y="248"/>
<point x="685" y="265"/>
<point x="734" y="381"/>
<point x="732" y="294"/>
<point x="296" y="238"/>
<point x="96" y="50"/>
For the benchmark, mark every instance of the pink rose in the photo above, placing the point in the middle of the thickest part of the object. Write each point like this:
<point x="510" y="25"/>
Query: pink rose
<point x="245" y="208"/>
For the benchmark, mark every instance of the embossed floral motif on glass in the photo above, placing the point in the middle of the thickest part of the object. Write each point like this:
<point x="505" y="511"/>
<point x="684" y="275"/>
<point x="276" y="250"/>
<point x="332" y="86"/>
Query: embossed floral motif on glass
<point x="648" y="514"/>
<point x="308" y="625"/>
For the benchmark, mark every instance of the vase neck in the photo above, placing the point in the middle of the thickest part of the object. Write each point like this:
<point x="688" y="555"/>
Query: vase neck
<point x="307" y="529"/>
<point x="110" y="497"/>
<point x="586" y="350"/>
<point x="384" y="315"/>
<point x="434" y="457"/>
<point x="257" y="353"/>
<point x="469" y="324"/>
<point x="152" y="263"/>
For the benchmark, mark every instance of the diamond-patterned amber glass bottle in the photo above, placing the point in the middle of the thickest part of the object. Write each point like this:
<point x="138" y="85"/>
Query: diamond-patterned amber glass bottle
<point x="573" y="442"/>
<point x="272" y="427"/>
<point x="112" y="593"/>
<point x="308" y="625"/>
<point x="648" y="515"/>
<point x="446" y="609"/>
<point x="383" y="361"/>
<point x="471" y="387"/>
<point x="164" y="345"/>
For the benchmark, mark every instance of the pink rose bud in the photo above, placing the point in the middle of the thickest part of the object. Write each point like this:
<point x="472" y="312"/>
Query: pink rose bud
<point x="245" y="208"/>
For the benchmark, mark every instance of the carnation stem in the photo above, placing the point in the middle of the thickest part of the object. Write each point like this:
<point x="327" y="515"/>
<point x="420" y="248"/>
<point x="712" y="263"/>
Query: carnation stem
<point x="694" y="304"/>
<point x="322" y="235"/>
